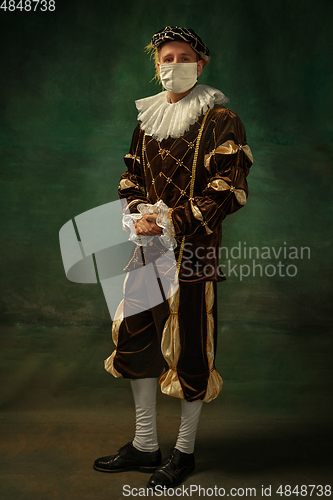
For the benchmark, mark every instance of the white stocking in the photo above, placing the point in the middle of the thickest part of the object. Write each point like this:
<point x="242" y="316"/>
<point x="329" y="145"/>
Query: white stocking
<point x="144" y="394"/>
<point x="188" y="425"/>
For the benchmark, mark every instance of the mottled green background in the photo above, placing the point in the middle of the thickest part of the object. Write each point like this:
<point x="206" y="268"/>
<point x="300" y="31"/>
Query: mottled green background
<point x="69" y="79"/>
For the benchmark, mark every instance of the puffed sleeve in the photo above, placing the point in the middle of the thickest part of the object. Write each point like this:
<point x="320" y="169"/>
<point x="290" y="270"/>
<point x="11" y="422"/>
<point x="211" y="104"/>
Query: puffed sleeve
<point x="132" y="183"/>
<point x="227" y="161"/>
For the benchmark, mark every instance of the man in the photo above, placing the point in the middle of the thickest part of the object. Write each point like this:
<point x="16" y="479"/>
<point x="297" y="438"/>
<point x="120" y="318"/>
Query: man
<point x="187" y="169"/>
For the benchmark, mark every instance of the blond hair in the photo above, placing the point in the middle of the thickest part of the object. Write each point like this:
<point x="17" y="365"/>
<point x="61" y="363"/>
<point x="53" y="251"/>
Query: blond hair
<point x="153" y="53"/>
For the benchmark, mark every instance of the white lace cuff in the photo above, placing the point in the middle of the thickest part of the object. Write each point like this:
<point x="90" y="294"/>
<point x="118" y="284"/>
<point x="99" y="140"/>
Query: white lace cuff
<point x="129" y="221"/>
<point x="163" y="220"/>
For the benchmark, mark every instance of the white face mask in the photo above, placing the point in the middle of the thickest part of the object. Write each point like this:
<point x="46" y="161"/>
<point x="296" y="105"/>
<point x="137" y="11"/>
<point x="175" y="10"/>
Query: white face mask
<point x="178" y="77"/>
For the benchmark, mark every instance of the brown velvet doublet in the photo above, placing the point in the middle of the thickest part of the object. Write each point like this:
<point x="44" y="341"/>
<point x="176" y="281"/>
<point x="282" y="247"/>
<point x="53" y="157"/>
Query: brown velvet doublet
<point x="164" y="170"/>
<point x="201" y="177"/>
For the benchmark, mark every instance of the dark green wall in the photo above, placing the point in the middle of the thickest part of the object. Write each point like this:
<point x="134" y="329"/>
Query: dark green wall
<point x="69" y="79"/>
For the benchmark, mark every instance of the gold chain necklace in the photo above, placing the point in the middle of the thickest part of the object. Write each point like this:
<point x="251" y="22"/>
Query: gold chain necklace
<point x="194" y="169"/>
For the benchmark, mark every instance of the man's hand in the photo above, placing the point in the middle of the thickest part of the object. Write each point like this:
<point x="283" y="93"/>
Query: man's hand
<point x="147" y="226"/>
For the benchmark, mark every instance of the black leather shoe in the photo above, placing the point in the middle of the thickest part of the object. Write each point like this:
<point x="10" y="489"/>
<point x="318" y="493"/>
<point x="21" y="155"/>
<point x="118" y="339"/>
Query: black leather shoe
<point x="129" y="458"/>
<point x="173" y="471"/>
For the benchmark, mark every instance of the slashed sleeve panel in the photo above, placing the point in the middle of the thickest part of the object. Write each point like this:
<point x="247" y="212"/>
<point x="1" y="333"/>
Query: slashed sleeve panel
<point x="224" y="167"/>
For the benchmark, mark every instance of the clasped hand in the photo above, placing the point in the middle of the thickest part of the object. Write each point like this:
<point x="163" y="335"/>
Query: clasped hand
<point x="147" y="226"/>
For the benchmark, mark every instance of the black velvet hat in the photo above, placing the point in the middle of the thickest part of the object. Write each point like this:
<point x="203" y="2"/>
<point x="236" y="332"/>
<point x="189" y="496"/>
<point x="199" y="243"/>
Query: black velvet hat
<point x="171" y="33"/>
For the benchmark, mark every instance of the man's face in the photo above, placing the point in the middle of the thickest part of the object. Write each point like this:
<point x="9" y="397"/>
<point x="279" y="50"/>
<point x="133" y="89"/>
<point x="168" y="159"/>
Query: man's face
<point x="178" y="52"/>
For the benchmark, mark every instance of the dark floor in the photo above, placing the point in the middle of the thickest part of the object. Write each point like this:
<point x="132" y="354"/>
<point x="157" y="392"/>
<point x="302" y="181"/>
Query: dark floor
<point x="49" y="455"/>
<point x="60" y="410"/>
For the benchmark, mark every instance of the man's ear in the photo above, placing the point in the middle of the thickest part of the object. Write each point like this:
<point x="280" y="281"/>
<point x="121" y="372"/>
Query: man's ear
<point x="200" y="67"/>
<point x="159" y="66"/>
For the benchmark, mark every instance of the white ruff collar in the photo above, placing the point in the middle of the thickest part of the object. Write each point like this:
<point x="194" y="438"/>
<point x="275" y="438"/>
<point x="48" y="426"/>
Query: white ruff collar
<point x="161" y="119"/>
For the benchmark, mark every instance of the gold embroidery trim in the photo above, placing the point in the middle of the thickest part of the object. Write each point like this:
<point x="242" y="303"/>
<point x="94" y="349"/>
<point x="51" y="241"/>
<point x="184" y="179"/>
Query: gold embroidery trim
<point x="134" y="256"/>
<point x="143" y="154"/>
<point x="196" y="152"/>
<point x="181" y="250"/>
